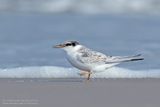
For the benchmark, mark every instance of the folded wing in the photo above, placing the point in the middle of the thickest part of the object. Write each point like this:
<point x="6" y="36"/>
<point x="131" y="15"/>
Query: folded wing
<point x="118" y="59"/>
<point x="88" y="56"/>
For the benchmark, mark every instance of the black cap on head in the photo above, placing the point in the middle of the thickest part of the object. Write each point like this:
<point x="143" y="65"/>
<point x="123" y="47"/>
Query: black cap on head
<point x="67" y="44"/>
<point x="71" y="43"/>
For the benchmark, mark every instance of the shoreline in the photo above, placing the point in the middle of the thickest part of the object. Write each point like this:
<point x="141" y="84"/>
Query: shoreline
<point x="77" y="92"/>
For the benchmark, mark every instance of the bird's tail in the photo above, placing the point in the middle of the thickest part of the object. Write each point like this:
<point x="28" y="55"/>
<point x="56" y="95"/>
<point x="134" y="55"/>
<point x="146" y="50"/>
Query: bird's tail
<point x="130" y="58"/>
<point x="119" y="59"/>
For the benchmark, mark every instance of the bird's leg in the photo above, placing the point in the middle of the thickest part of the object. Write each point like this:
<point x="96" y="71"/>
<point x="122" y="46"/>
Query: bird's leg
<point x="86" y="74"/>
<point x="89" y="75"/>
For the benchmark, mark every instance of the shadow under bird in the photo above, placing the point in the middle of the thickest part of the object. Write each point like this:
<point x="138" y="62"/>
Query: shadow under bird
<point x="89" y="61"/>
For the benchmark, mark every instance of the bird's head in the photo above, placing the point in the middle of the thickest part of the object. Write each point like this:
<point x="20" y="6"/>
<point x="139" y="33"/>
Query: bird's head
<point x="68" y="45"/>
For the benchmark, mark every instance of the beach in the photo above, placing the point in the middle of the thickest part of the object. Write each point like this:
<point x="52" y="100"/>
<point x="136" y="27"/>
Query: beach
<point x="33" y="74"/>
<point x="78" y="92"/>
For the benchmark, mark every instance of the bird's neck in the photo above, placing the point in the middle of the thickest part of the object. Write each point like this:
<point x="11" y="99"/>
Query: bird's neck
<point x="78" y="47"/>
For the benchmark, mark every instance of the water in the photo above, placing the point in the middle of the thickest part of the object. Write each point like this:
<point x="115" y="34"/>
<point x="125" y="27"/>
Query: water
<point x="26" y="41"/>
<point x="151" y="7"/>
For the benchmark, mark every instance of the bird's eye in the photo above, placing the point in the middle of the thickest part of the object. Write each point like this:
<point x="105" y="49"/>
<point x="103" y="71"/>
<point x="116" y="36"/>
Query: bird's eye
<point x="68" y="44"/>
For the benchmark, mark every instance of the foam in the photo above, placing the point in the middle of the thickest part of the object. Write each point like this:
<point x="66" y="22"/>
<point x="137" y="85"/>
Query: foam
<point x="83" y="6"/>
<point x="61" y="72"/>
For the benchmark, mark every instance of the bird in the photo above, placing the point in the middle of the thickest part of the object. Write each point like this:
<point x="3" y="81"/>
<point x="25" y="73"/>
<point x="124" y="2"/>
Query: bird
<point x="89" y="61"/>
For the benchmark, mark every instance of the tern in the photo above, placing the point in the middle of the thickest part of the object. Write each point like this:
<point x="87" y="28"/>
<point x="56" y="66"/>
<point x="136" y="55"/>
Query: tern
<point x="89" y="61"/>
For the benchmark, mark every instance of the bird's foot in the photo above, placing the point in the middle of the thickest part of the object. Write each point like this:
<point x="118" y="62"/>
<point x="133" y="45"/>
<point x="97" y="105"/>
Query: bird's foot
<point x="85" y="74"/>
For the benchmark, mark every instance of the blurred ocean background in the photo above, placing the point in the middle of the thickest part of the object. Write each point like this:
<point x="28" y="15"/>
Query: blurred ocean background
<point x="29" y="29"/>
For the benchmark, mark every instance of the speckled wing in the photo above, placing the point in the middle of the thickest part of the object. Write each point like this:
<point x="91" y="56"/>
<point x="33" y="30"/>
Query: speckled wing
<point x="87" y="56"/>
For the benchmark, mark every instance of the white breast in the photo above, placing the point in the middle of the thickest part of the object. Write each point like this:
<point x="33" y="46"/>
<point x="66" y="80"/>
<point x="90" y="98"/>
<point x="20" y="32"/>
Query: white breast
<point x="71" y="53"/>
<point x="73" y="60"/>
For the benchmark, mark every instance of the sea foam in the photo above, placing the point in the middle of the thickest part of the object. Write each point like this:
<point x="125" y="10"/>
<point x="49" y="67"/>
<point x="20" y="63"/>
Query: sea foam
<point x="82" y="6"/>
<point x="61" y="72"/>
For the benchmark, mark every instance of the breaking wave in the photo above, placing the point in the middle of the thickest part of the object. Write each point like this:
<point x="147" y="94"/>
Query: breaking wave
<point x="82" y="6"/>
<point x="61" y="72"/>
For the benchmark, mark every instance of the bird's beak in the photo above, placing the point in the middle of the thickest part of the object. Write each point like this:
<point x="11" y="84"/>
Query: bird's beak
<point x="59" y="46"/>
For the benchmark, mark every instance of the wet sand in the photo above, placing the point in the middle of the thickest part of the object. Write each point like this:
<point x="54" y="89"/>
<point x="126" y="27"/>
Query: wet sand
<point x="79" y="93"/>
